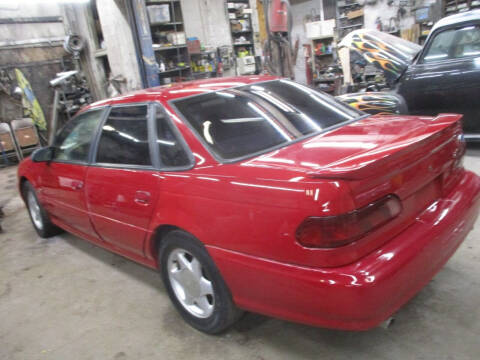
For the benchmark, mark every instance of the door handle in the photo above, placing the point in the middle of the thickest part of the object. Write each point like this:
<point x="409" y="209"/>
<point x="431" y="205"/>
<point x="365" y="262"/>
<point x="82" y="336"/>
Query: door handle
<point x="142" y="197"/>
<point x="77" y="185"/>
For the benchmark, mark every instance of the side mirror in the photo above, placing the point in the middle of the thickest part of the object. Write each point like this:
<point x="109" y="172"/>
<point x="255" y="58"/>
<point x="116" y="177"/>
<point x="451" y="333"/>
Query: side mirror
<point x="44" y="154"/>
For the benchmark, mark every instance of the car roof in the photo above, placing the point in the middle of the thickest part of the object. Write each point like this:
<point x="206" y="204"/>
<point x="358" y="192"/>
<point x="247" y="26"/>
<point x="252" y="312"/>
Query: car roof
<point x="457" y="19"/>
<point x="183" y="89"/>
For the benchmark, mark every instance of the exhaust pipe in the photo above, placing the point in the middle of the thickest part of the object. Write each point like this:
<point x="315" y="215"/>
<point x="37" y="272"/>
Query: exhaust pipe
<point x="387" y="323"/>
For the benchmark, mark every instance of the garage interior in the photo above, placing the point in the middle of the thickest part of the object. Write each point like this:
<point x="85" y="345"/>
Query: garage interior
<point x="65" y="298"/>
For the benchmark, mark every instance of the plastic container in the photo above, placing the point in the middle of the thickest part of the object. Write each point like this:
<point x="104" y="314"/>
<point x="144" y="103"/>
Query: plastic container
<point x="158" y="14"/>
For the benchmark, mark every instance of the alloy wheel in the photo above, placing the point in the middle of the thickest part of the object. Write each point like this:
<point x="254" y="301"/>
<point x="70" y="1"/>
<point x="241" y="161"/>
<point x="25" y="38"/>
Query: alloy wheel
<point x="190" y="283"/>
<point x="35" y="211"/>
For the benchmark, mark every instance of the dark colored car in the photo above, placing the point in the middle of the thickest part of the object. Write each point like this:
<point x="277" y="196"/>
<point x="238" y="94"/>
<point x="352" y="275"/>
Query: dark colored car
<point x="443" y="76"/>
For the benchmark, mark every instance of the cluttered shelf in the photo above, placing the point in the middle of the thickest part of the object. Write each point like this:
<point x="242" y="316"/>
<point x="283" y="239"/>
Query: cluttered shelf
<point x="174" y="70"/>
<point x="458" y="6"/>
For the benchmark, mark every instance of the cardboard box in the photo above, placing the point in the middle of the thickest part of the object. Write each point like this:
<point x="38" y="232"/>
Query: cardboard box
<point x="320" y="29"/>
<point x="177" y="38"/>
<point x="158" y="14"/>
<point x="194" y="46"/>
<point x="354" y="14"/>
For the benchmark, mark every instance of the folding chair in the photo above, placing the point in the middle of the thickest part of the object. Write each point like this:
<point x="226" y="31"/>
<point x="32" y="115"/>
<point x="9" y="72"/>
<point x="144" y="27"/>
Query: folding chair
<point x="26" y="135"/>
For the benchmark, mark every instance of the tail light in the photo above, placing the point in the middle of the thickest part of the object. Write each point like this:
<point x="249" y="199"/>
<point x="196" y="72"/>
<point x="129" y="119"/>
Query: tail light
<point x="335" y="231"/>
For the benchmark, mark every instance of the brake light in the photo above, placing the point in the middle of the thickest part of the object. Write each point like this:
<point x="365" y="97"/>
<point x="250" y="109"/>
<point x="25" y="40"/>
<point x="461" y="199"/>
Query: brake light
<point x="335" y="231"/>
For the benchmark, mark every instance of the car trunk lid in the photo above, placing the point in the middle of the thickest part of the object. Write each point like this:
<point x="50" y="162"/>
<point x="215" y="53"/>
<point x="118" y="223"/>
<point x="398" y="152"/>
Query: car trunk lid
<point x="377" y="155"/>
<point x="427" y="149"/>
<point x="417" y="159"/>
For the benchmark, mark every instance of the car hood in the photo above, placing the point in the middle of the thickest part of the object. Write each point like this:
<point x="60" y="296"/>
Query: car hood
<point x="358" y="149"/>
<point x="388" y="53"/>
<point x="375" y="102"/>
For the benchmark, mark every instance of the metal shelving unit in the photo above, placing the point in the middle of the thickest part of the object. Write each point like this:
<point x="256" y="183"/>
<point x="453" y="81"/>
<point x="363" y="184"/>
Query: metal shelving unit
<point x="451" y="7"/>
<point x="238" y="18"/>
<point x="172" y="56"/>
<point x="349" y="17"/>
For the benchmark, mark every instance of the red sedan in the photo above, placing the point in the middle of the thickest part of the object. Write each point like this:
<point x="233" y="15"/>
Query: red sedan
<point x="261" y="194"/>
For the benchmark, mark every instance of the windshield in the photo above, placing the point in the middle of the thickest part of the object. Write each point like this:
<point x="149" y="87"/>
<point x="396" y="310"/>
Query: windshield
<point x="243" y="121"/>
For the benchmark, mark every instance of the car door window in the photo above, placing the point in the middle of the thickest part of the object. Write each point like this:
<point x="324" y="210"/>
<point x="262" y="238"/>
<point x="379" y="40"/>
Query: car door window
<point x="454" y="44"/>
<point x="72" y="143"/>
<point x="172" y="151"/>
<point x="440" y="47"/>
<point x="468" y="42"/>
<point x="124" y="138"/>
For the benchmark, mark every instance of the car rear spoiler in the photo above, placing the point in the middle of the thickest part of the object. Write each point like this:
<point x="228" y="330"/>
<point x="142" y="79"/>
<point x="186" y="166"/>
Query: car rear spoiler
<point x="398" y="154"/>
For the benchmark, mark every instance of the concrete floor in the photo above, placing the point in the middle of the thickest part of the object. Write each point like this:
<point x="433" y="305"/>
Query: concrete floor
<point x="63" y="298"/>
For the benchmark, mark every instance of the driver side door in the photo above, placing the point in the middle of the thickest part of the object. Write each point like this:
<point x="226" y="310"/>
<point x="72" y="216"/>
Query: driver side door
<point x="62" y="188"/>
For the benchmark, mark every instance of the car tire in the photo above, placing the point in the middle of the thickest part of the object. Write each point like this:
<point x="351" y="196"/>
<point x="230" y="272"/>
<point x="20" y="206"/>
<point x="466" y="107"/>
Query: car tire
<point x="39" y="217"/>
<point x="195" y="285"/>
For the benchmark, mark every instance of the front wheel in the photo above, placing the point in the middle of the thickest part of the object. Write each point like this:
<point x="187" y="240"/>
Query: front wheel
<point x="195" y="285"/>
<point x="40" y="220"/>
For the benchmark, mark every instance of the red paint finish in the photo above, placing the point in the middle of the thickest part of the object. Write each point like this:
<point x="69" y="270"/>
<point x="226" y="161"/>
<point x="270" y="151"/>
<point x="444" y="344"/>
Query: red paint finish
<point x="360" y="295"/>
<point x="120" y="203"/>
<point x="61" y="188"/>
<point x="247" y="213"/>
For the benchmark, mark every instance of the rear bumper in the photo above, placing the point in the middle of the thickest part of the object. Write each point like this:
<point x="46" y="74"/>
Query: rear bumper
<point x="360" y="295"/>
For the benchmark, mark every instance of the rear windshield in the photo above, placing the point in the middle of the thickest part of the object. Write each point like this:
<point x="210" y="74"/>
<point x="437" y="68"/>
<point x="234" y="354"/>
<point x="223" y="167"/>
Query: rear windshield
<point x="251" y="119"/>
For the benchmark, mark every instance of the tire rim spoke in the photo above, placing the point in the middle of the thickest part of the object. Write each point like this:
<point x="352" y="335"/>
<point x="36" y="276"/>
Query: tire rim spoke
<point x="196" y="269"/>
<point x="203" y="303"/>
<point x="182" y="261"/>
<point x="206" y="287"/>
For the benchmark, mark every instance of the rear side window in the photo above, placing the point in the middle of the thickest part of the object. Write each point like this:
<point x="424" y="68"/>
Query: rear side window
<point x="72" y="144"/>
<point x="172" y="153"/>
<point x="232" y="124"/>
<point x="242" y="121"/>
<point x="124" y="138"/>
<point x="454" y="44"/>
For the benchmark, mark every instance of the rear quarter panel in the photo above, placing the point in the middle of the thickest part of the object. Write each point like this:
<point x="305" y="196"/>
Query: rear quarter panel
<point x="257" y="217"/>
